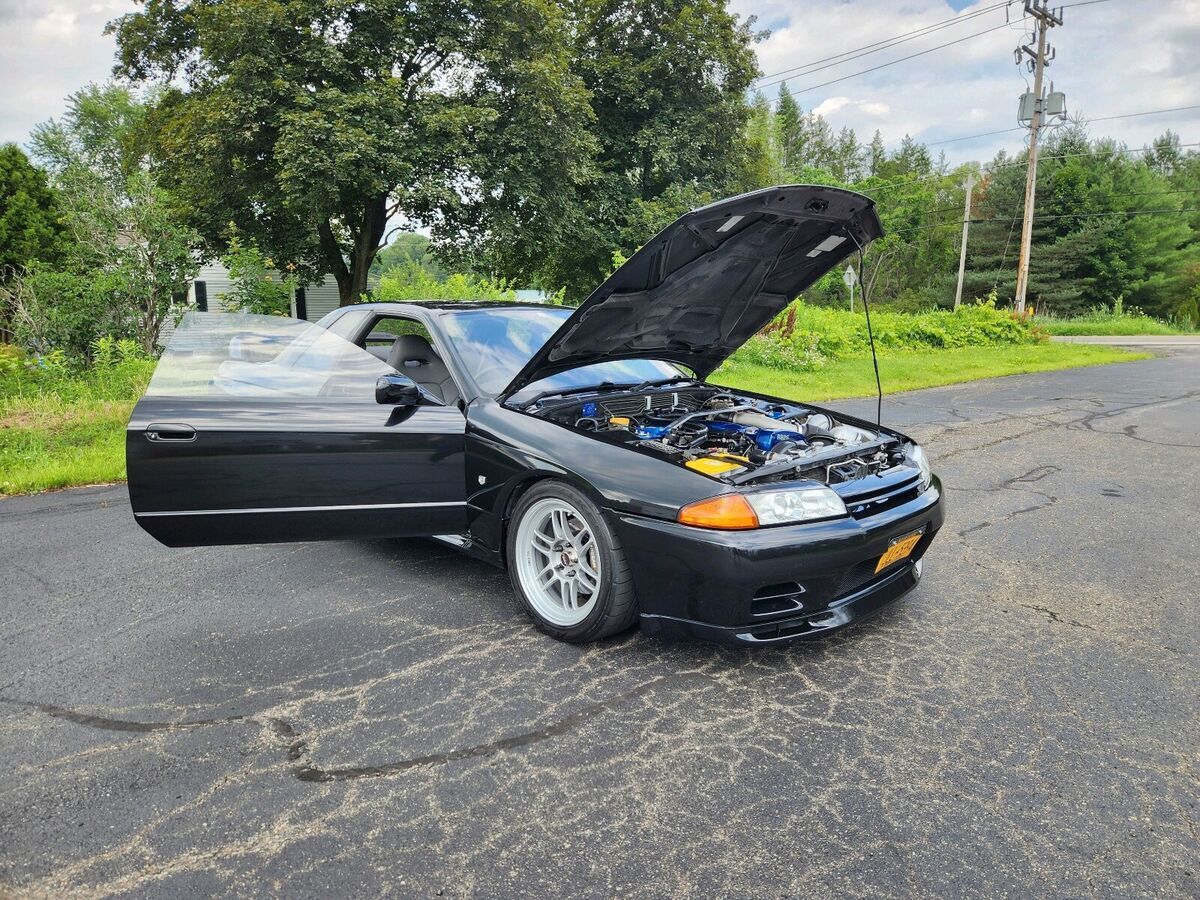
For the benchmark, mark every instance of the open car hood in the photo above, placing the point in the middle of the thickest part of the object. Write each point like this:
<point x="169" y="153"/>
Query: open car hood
<point x="706" y="284"/>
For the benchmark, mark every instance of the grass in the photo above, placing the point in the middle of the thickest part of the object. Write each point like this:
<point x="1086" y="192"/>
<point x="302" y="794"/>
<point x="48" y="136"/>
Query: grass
<point x="62" y="430"/>
<point x="49" y="444"/>
<point x="1102" y="322"/>
<point x="912" y="370"/>
<point x="66" y="432"/>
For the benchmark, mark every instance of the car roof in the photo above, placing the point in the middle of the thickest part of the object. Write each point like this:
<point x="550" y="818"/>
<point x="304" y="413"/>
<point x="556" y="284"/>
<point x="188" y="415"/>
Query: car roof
<point x="452" y="305"/>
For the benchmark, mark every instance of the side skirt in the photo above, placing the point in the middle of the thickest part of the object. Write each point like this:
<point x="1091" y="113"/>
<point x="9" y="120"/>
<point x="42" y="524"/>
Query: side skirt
<point x="471" y="547"/>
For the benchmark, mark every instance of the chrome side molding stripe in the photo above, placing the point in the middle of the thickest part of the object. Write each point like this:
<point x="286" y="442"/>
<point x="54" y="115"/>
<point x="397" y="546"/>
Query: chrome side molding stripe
<point x="302" y="509"/>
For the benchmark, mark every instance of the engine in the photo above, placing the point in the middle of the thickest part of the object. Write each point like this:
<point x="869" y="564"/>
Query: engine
<point x="733" y="438"/>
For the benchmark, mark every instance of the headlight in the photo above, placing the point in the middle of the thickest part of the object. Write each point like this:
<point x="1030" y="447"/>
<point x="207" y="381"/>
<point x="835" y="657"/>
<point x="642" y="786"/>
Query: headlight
<point x="917" y="455"/>
<point x="778" y="507"/>
<point x="742" y="511"/>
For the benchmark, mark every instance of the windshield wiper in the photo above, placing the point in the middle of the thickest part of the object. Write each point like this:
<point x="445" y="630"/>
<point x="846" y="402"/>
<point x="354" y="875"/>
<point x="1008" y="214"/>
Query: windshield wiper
<point x="564" y="392"/>
<point x="660" y="382"/>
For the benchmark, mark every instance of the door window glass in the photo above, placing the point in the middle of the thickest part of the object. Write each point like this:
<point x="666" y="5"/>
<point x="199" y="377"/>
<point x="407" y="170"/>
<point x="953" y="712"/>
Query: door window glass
<point x="385" y="330"/>
<point x="221" y="355"/>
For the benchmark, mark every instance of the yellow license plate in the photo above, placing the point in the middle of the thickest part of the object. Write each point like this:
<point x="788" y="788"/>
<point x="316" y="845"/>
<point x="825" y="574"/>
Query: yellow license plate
<point x="900" y="549"/>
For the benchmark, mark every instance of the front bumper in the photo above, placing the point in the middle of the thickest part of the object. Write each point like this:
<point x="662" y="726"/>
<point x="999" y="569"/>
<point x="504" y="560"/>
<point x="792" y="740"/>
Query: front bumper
<point x="719" y="585"/>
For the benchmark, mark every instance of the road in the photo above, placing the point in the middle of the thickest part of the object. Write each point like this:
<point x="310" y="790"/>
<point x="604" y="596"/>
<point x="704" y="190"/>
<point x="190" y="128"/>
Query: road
<point x="368" y="718"/>
<point x="1135" y="340"/>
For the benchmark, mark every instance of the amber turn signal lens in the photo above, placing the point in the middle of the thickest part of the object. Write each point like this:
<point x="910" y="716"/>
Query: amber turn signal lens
<point x="730" y="511"/>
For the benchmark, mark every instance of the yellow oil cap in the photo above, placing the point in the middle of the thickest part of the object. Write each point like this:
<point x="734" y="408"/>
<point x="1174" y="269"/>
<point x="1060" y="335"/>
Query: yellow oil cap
<point x="619" y="421"/>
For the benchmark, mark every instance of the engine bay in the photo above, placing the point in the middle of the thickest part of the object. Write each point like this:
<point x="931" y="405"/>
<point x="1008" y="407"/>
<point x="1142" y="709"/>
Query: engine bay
<point x="730" y="437"/>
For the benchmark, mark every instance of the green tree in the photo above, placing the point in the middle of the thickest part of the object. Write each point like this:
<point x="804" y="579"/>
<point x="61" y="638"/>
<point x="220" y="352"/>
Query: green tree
<point x="311" y="123"/>
<point x="876" y="155"/>
<point x="257" y="288"/>
<point x="790" y="129"/>
<point x="761" y="165"/>
<point x="668" y="82"/>
<point x="127" y="228"/>
<point x="31" y="225"/>
<point x="1110" y="227"/>
<point x="409" y="247"/>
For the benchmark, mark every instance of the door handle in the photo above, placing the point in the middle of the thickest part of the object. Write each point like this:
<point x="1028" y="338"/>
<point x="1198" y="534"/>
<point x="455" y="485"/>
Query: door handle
<point x="170" y="432"/>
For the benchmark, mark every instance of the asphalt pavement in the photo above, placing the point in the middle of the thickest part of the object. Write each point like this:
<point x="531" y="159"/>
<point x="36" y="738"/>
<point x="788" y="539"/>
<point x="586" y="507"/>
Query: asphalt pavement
<point x="351" y="719"/>
<point x="1134" y="340"/>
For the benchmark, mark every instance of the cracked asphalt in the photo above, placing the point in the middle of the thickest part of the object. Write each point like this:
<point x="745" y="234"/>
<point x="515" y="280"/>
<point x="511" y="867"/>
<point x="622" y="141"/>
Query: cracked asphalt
<point x="370" y="718"/>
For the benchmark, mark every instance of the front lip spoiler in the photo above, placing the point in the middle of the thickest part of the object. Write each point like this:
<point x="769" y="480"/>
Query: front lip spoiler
<point x="845" y="611"/>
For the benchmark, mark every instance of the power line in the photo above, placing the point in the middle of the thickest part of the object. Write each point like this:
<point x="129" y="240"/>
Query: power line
<point x="1148" y="112"/>
<point x="868" y="49"/>
<point x="886" y="64"/>
<point x="971" y="137"/>
<point x="1131" y="213"/>
<point x="884" y="44"/>
<point x="1128" y="213"/>
<point x="990" y="169"/>
<point x="1152" y="112"/>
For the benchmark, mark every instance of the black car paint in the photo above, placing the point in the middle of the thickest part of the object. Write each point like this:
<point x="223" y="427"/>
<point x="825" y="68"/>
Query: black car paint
<point x="458" y="470"/>
<point x="474" y="459"/>
<point x="299" y="463"/>
<point x="708" y="282"/>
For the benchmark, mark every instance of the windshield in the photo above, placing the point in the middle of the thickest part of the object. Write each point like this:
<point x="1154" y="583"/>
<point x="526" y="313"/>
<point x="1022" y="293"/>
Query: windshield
<point x="242" y="355"/>
<point x="495" y="344"/>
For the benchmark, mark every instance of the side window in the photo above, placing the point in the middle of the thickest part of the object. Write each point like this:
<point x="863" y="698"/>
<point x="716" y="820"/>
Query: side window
<point x="347" y="324"/>
<point x="220" y="355"/>
<point x="386" y="329"/>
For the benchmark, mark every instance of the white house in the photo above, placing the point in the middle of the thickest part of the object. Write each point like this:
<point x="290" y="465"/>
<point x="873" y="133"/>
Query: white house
<point x="310" y="302"/>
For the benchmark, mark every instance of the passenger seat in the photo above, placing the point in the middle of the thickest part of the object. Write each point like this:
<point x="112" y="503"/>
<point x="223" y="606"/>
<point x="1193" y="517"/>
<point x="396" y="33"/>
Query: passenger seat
<point x="413" y="356"/>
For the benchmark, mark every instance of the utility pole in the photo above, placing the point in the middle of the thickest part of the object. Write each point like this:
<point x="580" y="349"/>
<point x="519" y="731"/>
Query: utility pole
<point x="962" y="251"/>
<point x="1046" y="19"/>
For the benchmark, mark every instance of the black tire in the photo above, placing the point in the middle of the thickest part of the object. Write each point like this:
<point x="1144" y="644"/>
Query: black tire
<point x="615" y="609"/>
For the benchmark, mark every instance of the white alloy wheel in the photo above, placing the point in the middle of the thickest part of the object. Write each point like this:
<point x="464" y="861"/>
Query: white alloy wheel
<point x="557" y="562"/>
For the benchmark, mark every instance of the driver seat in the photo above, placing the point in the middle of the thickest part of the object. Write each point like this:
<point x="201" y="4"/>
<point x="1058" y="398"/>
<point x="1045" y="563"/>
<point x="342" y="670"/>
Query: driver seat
<point x="413" y="356"/>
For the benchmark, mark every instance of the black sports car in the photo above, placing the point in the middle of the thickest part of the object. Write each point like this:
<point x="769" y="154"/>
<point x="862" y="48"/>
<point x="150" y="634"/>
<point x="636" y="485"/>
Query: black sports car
<point x="581" y="448"/>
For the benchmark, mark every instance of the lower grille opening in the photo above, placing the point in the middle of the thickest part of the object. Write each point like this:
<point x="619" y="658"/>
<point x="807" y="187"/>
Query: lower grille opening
<point x="777" y="599"/>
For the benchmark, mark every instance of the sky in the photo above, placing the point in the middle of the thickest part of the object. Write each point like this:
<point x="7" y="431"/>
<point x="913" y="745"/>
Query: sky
<point x="1113" y="57"/>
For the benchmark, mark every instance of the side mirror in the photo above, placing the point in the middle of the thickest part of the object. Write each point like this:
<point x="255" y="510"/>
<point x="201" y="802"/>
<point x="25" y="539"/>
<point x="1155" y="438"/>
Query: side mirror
<point x="397" y="390"/>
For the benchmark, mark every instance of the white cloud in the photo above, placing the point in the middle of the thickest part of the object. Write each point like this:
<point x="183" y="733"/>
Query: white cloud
<point x="867" y="109"/>
<point x="49" y="50"/>
<point x="55" y="25"/>
<point x="1112" y="58"/>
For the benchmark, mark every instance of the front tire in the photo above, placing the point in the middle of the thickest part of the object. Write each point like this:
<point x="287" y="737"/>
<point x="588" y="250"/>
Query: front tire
<point x="567" y="566"/>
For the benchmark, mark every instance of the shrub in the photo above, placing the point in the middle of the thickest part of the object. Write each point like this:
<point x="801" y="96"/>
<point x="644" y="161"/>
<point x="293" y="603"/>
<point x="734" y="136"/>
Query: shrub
<point x="411" y="282"/>
<point x="804" y="336"/>
<point x="255" y="289"/>
<point x="65" y="310"/>
<point x="1119" y="320"/>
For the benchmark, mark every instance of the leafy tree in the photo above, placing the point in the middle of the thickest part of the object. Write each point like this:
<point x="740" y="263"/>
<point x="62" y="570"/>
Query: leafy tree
<point x="762" y="162"/>
<point x="876" y="155"/>
<point x="1109" y="228"/>
<point x="409" y="247"/>
<point x="847" y="159"/>
<point x="31" y="224"/>
<point x="127" y="229"/>
<point x="411" y="281"/>
<point x="256" y="287"/>
<point x="668" y="82"/>
<point x="311" y="123"/>
<point x="790" y="127"/>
